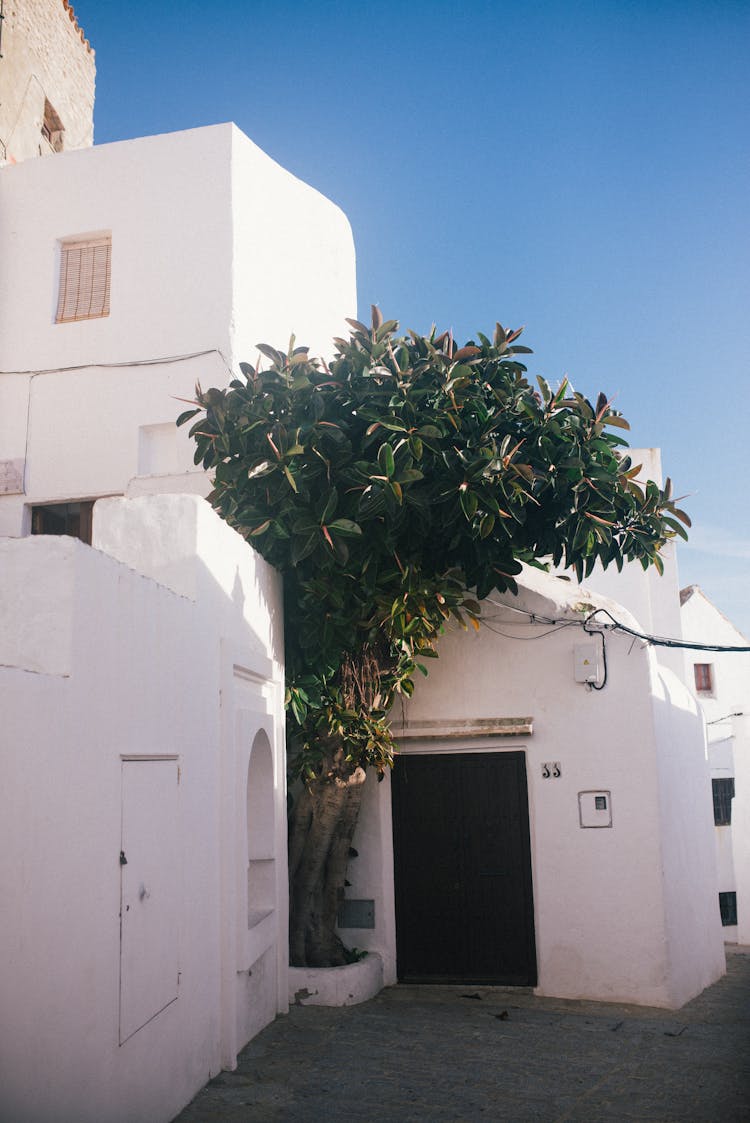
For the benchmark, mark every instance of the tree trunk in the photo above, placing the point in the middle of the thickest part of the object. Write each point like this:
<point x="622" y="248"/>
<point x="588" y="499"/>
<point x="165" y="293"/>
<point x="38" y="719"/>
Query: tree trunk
<point x="321" y="829"/>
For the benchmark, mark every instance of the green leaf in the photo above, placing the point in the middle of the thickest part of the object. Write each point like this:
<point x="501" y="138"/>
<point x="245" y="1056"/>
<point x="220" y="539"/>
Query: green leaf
<point x="346" y="528"/>
<point x="331" y="505"/>
<point x="270" y="353"/>
<point x="469" y="503"/>
<point x="385" y="460"/>
<point x="260" y="529"/>
<point x="261" y="469"/>
<point x="616" y="420"/>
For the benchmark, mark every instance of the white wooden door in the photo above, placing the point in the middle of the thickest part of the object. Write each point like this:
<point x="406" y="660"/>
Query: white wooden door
<point x="149" y="900"/>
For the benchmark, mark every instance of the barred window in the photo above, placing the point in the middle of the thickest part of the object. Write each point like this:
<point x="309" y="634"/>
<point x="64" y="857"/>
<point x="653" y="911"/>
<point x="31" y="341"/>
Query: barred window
<point x="704" y="679"/>
<point x="84" y="280"/>
<point x="723" y="791"/>
<point x="728" y="908"/>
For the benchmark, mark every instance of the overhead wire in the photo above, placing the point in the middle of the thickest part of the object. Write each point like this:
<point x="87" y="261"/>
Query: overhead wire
<point x="616" y="625"/>
<point x="663" y="641"/>
<point x="164" y="360"/>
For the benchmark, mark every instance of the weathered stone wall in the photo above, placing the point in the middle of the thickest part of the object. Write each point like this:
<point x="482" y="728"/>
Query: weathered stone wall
<point x="45" y="58"/>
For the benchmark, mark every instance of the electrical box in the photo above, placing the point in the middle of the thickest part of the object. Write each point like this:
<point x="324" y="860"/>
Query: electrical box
<point x="356" y="914"/>
<point x="588" y="663"/>
<point x="595" y="809"/>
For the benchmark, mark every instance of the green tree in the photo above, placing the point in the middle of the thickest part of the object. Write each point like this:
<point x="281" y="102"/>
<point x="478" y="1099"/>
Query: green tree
<point x="394" y="488"/>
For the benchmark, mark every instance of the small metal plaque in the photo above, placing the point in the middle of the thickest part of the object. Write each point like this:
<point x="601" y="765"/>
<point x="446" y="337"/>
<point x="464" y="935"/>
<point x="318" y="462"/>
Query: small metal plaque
<point x="11" y="477"/>
<point x="356" y="914"/>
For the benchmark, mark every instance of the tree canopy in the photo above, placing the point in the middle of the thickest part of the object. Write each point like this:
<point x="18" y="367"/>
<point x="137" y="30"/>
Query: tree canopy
<point x="398" y="485"/>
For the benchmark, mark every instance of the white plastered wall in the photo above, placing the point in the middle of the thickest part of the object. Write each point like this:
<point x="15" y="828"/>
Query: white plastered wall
<point x="133" y="668"/>
<point x="293" y="267"/>
<point x="608" y="903"/>
<point x="726" y="708"/>
<point x="215" y="248"/>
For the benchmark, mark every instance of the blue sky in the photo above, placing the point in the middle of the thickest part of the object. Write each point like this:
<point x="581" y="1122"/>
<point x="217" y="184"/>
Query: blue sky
<point x="580" y="168"/>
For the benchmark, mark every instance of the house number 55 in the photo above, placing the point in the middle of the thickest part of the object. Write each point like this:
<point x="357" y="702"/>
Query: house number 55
<point x="551" y="768"/>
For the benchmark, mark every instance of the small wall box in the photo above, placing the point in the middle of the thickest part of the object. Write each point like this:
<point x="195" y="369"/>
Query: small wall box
<point x="595" y="809"/>
<point x="587" y="663"/>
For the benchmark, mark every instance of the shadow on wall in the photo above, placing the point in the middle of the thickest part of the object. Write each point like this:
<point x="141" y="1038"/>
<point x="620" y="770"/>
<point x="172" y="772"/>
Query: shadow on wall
<point x="691" y="900"/>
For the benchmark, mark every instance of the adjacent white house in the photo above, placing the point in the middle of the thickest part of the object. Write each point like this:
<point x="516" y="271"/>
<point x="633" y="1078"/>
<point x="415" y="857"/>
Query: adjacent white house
<point x="551" y="799"/>
<point x="721" y="682"/>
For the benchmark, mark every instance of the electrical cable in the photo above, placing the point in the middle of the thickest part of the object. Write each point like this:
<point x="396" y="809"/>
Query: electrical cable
<point x="600" y="633"/>
<point x="163" y="361"/>
<point x="716" y="720"/>
<point x="540" y="635"/>
<point x="661" y="641"/>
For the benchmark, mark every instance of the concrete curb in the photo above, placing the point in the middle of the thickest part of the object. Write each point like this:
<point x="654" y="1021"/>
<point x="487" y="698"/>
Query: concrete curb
<point x="336" y="986"/>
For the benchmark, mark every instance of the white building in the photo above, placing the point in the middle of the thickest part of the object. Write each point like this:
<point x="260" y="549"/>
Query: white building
<point x="721" y="683"/>
<point x="593" y="753"/>
<point x="143" y="822"/>
<point x="143" y="826"/>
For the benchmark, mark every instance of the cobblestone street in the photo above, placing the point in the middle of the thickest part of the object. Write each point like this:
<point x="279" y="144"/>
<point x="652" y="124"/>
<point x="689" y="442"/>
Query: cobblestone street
<point x="424" y="1054"/>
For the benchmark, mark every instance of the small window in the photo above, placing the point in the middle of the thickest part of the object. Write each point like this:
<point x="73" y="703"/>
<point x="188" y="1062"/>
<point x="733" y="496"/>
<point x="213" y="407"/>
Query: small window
<point x="704" y="677"/>
<point x="728" y="908"/>
<point x="723" y="790"/>
<point x="84" y="280"/>
<point x="53" y="129"/>
<point x="73" y="519"/>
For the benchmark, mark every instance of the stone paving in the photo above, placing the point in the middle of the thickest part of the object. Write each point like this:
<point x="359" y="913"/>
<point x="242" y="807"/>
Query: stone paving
<point x="460" y="1054"/>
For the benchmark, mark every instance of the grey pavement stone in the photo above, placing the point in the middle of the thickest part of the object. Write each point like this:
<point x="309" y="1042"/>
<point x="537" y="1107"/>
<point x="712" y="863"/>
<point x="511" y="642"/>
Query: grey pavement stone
<point x="430" y="1054"/>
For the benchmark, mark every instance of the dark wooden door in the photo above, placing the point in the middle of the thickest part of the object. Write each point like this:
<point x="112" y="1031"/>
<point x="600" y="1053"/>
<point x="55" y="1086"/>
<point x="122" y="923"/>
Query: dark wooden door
<point x="464" y="905"/>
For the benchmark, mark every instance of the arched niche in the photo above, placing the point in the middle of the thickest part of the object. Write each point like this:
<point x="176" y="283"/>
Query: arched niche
<point x="261" y="858"/>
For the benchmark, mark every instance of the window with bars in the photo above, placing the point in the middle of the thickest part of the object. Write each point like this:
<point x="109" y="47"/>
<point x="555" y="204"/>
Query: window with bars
<point x="723" y="791"/>
<point x="73" y="519"/>
<point x="728" y="909"/>
<point x="84" y="279"/>
<point x="704" y="678"/>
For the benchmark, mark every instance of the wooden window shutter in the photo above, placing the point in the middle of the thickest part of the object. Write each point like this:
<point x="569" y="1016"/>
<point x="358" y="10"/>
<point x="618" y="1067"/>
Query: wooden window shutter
<point x="703" y="677"/>
<point x="84" y="280"/>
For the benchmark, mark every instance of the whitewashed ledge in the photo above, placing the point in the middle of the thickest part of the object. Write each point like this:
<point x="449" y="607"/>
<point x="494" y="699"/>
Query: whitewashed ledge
<point x="336" y="986"/>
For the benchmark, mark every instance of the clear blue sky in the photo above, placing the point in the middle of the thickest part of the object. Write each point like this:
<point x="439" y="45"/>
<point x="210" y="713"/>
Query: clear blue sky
<point x="580" y="168"/>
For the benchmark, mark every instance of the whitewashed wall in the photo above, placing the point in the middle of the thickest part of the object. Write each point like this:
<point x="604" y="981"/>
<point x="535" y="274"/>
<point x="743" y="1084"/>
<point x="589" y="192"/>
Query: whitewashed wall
<point x="624" y="914"/>
<point x="741" y="821"/>
<point x="215" y="248"/>
<point x="107" y="673"/>
<point x="172" y="650"/>
<point x="728" y="740"/>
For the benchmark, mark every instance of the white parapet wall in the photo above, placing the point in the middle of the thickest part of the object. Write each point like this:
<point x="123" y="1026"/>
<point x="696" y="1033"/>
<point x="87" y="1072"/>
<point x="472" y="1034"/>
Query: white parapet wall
<point x="142" y="834"/>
